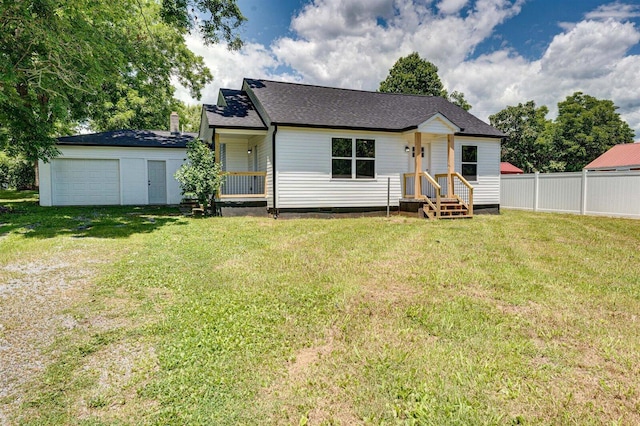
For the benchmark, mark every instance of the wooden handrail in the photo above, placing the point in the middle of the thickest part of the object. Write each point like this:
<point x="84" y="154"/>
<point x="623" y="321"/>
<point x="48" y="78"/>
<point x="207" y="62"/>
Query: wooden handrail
<point x="466" y="183"/>
<point x="427" y="176"/>
<point x="246" y="173"/>
<point x="432" y="181"/>
<point x="438" y="188"/>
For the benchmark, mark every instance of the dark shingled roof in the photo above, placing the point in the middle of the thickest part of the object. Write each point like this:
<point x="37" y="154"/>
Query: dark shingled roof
<point x="131" y="138"/>
<point x="328" y="107"/>
<point x="239" y="113"/>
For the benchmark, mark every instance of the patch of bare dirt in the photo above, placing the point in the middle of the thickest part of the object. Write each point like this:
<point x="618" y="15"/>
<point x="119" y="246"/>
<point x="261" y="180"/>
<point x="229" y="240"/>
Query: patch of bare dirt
<point x="32" y="305"/>
<point x="118" y="371"/>
<point x="39" y="301"/>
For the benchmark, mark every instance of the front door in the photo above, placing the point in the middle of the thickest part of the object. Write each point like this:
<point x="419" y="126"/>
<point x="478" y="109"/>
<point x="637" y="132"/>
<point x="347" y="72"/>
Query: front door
<point x="157" y="182"/>
<point x="426" y="166"/>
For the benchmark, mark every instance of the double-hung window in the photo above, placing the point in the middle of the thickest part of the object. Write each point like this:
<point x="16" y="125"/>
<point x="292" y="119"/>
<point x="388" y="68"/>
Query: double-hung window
<point x="470" y="162"/>
<point x="353" y="158"/>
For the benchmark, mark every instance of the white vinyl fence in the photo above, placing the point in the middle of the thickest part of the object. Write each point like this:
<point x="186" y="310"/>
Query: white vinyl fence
<point x="591" y="193"/>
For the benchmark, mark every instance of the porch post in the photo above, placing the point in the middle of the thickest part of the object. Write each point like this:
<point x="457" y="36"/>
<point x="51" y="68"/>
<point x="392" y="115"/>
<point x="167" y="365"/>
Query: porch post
<point x="216" y="150"/>
<point x="450" y="165"/>
<point x="417" y="183"/>
<point x="216" y="147"/>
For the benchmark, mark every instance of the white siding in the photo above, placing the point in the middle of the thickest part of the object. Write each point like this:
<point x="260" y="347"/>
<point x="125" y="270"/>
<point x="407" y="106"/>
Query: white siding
<point x="132" y="170"/>
<point x="304" y="170"/>
<point x="237" y="158"/>
<point x="486" y="190"/>
<point x="264" y="160"/>
<point x="437" y="126"/>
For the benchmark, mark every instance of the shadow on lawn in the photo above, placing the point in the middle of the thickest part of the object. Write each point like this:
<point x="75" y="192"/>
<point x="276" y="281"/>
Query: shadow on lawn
<point x="21" y="214"/>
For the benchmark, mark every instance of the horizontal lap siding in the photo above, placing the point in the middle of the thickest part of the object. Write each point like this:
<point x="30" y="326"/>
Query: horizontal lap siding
<point x="486" y="190"/>
<point x="237" y="158"/>
<point x="487" y="187"/>
<point x="264" y="162"/>
<point x="304" y="170"/>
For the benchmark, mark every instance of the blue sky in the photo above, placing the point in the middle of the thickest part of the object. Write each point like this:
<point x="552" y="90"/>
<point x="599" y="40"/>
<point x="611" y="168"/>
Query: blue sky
<point x="497" y="52"/>
<point x="529" y="32"/>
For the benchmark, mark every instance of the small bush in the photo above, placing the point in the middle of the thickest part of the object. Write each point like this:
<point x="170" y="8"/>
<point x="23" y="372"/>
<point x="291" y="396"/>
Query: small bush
<point x="16" y="173"/>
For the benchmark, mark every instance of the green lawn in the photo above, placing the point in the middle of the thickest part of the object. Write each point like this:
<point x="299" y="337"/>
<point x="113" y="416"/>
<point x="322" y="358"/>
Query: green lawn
<point x="520" y="318"/>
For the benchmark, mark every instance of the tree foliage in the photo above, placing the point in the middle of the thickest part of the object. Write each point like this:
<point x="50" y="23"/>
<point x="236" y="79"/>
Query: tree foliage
<point x="527" y="143"/>
<point x="413" y="75"/>
<point x="585" y="128"/>
<point x="200" y="176"/>
<point x="106" y="62"/>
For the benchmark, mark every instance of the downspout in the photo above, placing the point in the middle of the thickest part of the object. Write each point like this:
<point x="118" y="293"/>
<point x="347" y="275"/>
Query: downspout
<point x="273" y="169"/>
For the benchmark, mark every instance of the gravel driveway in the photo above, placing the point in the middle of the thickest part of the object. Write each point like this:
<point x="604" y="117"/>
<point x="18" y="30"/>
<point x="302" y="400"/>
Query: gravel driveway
<point x="32" y="304"/>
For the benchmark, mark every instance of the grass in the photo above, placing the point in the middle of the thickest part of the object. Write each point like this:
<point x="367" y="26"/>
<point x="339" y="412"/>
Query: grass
<point x="520" y="318"/>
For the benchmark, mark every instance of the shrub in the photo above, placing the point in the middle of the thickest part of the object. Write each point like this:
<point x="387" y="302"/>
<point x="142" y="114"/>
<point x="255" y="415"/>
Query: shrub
<point x="16" y="172"/>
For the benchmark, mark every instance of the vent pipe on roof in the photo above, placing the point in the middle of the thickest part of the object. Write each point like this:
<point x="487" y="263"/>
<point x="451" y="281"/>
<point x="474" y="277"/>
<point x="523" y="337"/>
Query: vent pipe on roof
<point x="174" y="123"/>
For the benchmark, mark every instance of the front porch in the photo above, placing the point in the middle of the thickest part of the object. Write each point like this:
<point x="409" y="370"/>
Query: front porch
<point x="441" y="196"/>
<point x="244" y="191"/>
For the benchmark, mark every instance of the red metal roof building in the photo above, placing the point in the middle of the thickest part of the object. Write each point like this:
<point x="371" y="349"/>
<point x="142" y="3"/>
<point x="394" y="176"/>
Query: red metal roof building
<point x="507" y="168"/>
<point x="625" y="156"/>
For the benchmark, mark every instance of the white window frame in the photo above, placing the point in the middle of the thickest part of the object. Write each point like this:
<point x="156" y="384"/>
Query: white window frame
<point x="463" y="163"/>
<point x="354" y="159"/>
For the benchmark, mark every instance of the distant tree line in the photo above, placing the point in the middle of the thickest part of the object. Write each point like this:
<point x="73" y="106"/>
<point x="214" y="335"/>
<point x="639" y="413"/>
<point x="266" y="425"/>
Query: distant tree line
<point x="585" y="128"/>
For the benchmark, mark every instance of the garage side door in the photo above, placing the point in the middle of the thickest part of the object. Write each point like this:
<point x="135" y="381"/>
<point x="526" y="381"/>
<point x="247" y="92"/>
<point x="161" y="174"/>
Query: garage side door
<point x="85" y="182"/>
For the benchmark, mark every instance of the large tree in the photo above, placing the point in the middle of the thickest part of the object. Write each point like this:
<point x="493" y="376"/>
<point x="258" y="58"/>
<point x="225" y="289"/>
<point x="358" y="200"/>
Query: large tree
<point x="585" y="128"/>
<point x="527" y="143"/>
<point x="414" y="75"/>
<point x="107" y="62"/>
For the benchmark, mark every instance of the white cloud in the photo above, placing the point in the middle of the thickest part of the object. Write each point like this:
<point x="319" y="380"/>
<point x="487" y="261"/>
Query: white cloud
<point x="590" y="49"/>
<point x="345" y="44"/>
<point x="449" y="7"/>
<point x="615" y="10"/>
<point x="230" y="67"/>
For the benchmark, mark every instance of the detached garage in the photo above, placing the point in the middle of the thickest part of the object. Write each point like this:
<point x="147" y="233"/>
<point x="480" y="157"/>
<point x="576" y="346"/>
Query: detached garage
<point x="132" y="167"/>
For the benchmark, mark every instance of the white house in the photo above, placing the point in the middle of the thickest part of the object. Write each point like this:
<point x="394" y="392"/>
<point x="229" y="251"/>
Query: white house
<point x="298" y="148"/>
<point x="294" y="147"/>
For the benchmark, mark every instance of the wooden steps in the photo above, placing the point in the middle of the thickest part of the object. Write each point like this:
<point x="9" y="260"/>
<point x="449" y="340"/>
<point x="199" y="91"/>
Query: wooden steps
<point x="450" y="208"/>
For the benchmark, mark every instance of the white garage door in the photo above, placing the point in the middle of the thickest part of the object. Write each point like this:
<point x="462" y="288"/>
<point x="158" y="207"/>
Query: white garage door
<point x="85" y="182"/>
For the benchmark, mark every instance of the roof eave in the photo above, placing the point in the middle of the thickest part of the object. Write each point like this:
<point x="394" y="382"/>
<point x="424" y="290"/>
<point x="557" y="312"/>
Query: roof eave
<point x="357" y="128"/>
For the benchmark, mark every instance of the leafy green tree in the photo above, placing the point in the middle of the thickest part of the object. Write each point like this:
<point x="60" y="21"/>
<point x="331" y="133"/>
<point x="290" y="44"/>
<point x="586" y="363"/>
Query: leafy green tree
<point x="413" y="75"/>
<point x="189" y="117"/>
<point x="526" y="145"/>
<point x="105" y="62"/>
<point x="585" y="128"/>
<point x="200" y="176"/>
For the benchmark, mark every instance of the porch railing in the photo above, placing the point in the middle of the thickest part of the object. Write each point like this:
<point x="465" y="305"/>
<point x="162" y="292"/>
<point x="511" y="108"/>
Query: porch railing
<point x="462" y="189"/>
<point x="244" y="185"/>
<point x="431" y="190"/>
